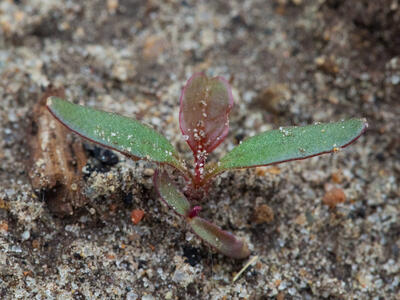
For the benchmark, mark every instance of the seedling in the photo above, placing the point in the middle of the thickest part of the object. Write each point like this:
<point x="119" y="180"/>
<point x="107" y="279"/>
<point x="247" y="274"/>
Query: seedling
<point x="205" y="104"/>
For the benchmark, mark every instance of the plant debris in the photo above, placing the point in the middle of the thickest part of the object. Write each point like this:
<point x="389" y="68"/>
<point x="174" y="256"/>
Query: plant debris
<point x="56" y="160"/>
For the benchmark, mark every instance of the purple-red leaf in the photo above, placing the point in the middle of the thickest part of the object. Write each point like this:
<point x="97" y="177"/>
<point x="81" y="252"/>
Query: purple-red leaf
<point x="225" y="242"/>
<point x="204" y="107"/>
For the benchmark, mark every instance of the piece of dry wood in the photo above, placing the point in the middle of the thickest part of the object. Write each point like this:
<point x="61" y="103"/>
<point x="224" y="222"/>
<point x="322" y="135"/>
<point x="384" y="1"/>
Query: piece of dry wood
<point x="56" y="160"/>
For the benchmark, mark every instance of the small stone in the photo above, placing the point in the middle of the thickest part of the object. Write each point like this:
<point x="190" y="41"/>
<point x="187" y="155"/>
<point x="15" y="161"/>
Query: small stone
<point x="395" y="79"/>
<point x="27" y="273"/>
<point x="154" y="46"/>
<point x="207" y="38"/>
<point x="79" y="33"/>
<point x="327" y="64"/>
<point x="4" y="226"/>
<point x="274" y="170"/>
<point x="337" y="177"/>
<point x="274" y="99"/>
<point x="333" y="197"/>
<point x="333" y="99"/>
<point x="131" y="296"/>
<point x="19" y="16"/>
<point x="3" y="204"/>
<point x="16" y="249"/>
<point x="25" y="235"/>
<point x="263" y="214"/>
<point x="262" y="171"/>
<point x="123" y="70"/>
<point x="112" y="6"/>
<point x="168" y="295"/>
<point x="137" y="216"/>
<point x="301" y="219"/>
<point x="74" y="187"/>
<point x="179" y="276"/>
<point x="35" y="244"/>
<point x="148" y="172"/>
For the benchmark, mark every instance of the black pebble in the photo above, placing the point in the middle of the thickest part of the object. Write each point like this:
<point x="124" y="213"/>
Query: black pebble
<point x="192" y="255"/>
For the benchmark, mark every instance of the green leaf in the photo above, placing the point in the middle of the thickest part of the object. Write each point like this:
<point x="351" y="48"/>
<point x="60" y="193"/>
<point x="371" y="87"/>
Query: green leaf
<point x="120" y="133"/>
<point x="170" y="194"/>
<point x="290" y="143"/>
<point x="223" y="241"/>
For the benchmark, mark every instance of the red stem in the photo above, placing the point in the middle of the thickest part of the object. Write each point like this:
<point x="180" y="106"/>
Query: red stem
<point x="194" y="212"/>
<point x="199" y="169"/>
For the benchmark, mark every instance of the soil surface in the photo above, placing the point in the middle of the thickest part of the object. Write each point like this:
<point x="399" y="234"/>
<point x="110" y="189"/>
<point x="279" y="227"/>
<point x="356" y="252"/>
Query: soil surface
<point x="326" y="227"/>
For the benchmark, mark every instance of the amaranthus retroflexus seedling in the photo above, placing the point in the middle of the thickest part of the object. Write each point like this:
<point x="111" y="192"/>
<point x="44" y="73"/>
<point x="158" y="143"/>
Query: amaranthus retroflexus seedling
<point x="205" y="104"/>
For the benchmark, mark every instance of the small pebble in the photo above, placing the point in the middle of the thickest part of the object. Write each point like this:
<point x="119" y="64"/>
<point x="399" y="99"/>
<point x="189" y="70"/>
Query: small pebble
<point x="35" y="244"/>
<point x="148" y="172"/>
<point x="263" y="214"/>
<point x="327" y="64"/>
<point x="25" y="235"/>
<point x="74" y="187"/>
<point x="4" y="226"/>
<point x="112" y="6"/>
<point x="137" y="216"/>
<point x="333" y="197"/>
<point x="337" y="177"/>
<point x="154" y="46"/>
<point x="274" y="99"/>
<point x="131" y="296"/>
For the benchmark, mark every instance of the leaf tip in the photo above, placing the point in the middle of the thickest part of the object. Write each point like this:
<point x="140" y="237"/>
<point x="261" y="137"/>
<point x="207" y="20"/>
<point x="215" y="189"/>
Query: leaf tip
<point x="238" y="250"/>
<point x="244" y="251"/>
<point x="223" y="241"/>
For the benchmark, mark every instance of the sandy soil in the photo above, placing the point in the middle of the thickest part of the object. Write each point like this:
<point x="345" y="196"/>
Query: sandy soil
<point x="291" y="62"/>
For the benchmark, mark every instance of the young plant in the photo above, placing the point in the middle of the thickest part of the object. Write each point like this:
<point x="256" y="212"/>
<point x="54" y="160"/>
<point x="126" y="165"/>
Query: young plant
<point x="205" y="104"/>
